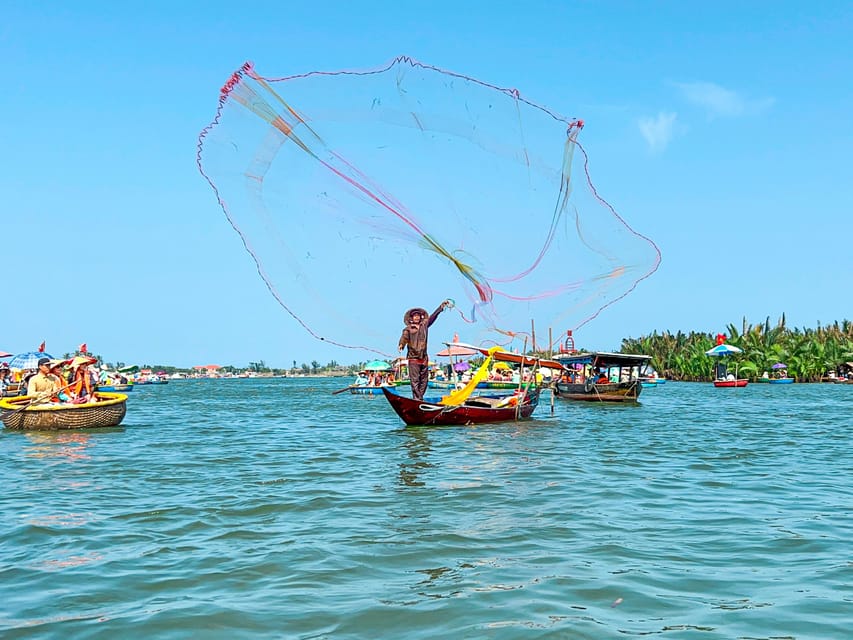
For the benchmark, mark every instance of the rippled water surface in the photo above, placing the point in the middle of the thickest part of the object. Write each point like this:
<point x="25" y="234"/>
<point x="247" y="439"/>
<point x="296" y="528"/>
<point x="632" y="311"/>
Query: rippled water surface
<point x="271" y="508"/>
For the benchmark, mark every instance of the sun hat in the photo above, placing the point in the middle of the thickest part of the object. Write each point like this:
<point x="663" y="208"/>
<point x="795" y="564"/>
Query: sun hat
<point x="407" y="317"/>
<point x="81" y="360"/>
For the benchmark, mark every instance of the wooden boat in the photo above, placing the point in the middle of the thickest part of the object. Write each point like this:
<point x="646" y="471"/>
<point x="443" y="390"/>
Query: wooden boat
<point x="739" y="382"/>
<point x="498" y="384"/>
<point x="622" y="370"/>
<point x="370" y="390"/>
<point x="442" y="384"/>
<point x="13" y="389"/>
<point x="121" y="388"/>
<point x="486" y="384"/>
<point x="109" y="411"/>
<point x="475" y="410"/>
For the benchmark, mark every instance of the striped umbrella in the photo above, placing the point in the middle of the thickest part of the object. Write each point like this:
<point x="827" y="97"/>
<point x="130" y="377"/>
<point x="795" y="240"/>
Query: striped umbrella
<point x="723" y="350"/>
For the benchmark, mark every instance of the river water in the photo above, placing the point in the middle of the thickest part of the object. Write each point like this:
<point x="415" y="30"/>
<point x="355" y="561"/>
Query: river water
<point x="274" y="509"/>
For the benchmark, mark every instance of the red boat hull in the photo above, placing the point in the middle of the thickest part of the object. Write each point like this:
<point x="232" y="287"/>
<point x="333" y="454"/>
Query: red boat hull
<point x="730" y="383"/>
<point x="418" y="412"/>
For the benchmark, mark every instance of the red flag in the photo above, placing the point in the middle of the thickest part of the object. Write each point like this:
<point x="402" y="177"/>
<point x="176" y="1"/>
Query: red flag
<point x="82" y="348"/>
<point x="41" y="348"/>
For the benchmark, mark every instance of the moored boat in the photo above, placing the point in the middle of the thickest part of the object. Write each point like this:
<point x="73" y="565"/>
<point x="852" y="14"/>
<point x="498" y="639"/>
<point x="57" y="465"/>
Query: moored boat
<point x="600" y="376"/>
<point x="443" y="384"/>
<point x="497" y="384"/>
<point x="781" y="381"/>
<point x="120" y="388"/>
<point x="18" y="413"/>
<point x="723" y="378"/>
<point x="737" y="382"/>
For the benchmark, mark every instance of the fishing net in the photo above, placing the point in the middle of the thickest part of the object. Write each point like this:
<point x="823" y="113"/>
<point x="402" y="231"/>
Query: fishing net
<point x="359" y="194"/>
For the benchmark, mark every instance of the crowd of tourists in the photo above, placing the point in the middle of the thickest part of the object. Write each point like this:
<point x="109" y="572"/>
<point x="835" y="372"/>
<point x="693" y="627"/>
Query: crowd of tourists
<point x="71" y="380"/>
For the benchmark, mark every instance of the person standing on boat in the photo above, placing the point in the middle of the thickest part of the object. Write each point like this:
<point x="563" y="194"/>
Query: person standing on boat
<point x="415" y="338"/>
<point x="44" y="384"/>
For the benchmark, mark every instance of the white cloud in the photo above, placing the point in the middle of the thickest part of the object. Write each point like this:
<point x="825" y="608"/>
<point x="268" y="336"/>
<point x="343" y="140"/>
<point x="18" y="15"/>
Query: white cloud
<point x="658" y="131"/>
<point x="721" y="102"/>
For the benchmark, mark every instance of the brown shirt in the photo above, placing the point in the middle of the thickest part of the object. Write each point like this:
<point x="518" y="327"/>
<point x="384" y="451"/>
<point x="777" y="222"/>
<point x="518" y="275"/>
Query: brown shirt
<point x="43" y="384"/>
<point x="415" y="336"/>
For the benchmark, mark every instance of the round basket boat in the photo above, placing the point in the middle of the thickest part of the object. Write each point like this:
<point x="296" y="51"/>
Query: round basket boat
<point x="107" y="412"/>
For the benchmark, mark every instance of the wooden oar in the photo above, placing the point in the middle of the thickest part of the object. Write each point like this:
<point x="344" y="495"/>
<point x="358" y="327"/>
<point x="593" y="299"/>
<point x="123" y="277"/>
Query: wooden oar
<point x="42" y="396"/>
<point x="352" y="386"/>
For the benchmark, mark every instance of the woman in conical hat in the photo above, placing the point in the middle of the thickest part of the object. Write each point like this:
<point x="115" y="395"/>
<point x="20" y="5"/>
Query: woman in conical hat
<point x="81" y="378"/>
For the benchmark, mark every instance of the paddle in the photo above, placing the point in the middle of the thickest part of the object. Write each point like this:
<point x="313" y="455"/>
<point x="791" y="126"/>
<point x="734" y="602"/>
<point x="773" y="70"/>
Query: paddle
<point x="42" y="396"/>
<point x="352" y="386"/>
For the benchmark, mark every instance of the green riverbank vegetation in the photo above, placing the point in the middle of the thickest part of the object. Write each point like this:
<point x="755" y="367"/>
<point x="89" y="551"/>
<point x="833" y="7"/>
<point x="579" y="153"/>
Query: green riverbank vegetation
<point x="810" y="354"/>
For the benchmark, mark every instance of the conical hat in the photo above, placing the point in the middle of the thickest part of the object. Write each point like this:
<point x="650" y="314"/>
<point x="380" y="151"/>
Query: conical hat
<point x="81" y="360"/>
<point x="407" y="317"/>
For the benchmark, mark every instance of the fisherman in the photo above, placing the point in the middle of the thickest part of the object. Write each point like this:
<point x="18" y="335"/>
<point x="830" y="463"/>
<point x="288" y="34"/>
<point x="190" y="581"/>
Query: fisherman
<point x="415" y="337"/>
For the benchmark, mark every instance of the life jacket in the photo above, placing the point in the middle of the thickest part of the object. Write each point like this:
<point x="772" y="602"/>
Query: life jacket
<point x="82" y="380"/>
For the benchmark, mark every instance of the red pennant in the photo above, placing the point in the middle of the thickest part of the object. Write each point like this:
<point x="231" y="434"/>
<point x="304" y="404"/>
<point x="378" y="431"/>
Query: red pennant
<point x="82" y="348"/>
<point x="41" y="348"/>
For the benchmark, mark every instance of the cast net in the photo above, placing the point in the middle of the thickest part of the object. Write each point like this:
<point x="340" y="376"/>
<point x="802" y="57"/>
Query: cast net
<point x="359" y="194"/>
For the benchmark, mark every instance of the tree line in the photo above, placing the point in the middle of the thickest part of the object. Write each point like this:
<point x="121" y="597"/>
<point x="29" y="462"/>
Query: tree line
<point x="809" y="354"/>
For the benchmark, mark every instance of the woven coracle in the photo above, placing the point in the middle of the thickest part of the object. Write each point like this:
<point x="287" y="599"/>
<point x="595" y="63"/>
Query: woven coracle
<point x="109" y="411"/>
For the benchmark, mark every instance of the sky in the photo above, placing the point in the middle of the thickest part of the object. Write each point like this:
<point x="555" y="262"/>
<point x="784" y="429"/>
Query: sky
<point x="721" y="131"/>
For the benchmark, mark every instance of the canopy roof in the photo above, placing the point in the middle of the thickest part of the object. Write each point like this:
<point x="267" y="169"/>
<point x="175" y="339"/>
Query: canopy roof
<point x="456" y="349"/>
<point x="517" y="358"/>
<point x="604" y="359"/>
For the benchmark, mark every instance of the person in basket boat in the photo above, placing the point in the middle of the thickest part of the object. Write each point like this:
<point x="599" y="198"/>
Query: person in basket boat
<point x="415" y="336"/>
<point x="44" y="385"/>
<point x="82" y="381"/>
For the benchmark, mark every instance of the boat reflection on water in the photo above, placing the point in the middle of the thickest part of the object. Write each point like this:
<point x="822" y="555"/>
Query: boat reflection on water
<point x="418" y="447"/>
<point x="65" y="446"/>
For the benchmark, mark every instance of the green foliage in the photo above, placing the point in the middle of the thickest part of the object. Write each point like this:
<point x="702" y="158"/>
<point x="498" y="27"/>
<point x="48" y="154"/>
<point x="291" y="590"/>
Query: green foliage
<point x="809" y="353"/>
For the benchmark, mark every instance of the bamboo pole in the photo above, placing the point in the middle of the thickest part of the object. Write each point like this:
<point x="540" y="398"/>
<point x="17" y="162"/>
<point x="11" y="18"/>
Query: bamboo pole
<point x="551" y="355"/>
<point x="532" y="335"/>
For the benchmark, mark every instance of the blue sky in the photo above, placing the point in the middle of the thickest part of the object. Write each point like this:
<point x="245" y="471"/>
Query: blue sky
<point x="721" y="131"/>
